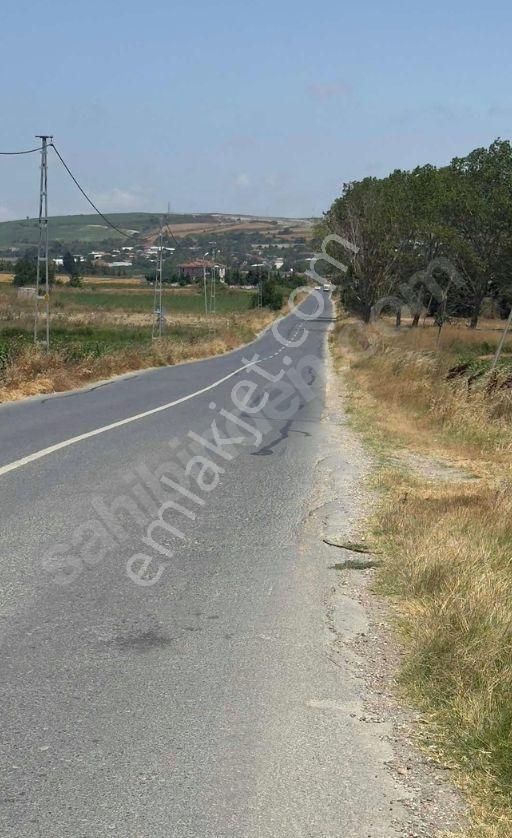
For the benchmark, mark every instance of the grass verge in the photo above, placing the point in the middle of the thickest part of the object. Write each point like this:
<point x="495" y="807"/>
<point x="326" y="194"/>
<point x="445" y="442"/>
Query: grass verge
<point x="85" y="352"/>
<point x="98" y="332"/>
<point x="444" y="524"/>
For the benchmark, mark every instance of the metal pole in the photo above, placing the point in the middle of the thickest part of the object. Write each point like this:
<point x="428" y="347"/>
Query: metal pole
<point x="42" y="249"/>
<point x="160" y="273"/>
<point x="502" y="341"/>
<point x="157" y="296"/>
<point x="213" y="301"/>
<point x="205" y="289"/>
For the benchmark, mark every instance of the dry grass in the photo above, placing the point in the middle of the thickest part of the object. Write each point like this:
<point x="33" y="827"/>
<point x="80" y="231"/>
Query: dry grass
<point x="448" y="548"/>
<point x="105" y="281"/>
<point x="98" y="333"/>
<point x="34" y="371"/>
<point x="403" y="382"/>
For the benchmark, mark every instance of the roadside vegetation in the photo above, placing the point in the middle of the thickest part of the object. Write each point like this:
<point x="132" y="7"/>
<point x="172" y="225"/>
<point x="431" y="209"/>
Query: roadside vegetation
<point x="439" y="239"/>
<point x="97" y="332"/>
<point x="444" y="523"/>
<point x="425" y="299"/>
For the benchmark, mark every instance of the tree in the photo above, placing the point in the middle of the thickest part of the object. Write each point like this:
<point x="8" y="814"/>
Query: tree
<point x="429" y="239"/>
<point x="478" y="208"/>
<point x="25" y="272"/>
<point x="272" y="296"/>
<point x="71" y="267"/>
<point x="407" y="225"/>
<point x="374" y="216"/>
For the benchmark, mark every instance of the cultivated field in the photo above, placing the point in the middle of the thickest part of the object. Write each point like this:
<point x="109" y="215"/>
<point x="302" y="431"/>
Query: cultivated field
<point x="144" y="227"/>
<point x="97" y="332"/>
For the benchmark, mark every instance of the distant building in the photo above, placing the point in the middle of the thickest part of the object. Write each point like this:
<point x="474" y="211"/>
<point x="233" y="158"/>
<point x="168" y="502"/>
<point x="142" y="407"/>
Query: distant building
<point x="195" y="269"/>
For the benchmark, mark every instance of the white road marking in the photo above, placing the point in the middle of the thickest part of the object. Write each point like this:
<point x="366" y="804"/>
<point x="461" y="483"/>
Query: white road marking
<point x="58" y="446"/>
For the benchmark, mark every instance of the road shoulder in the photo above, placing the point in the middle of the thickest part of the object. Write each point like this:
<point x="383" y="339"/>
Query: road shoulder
<point x="359" y="637"/>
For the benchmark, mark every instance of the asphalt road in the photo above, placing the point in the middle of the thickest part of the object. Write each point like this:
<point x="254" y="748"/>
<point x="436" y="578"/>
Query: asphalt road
<point x="171" y="680"/>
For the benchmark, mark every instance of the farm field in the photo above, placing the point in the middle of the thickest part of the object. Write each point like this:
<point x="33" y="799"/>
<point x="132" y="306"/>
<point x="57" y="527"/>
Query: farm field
<point x="142" y="226"/>
<point x="101" y="331"/>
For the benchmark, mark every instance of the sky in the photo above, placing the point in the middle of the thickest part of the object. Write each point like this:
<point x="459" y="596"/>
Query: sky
<point x="259" y="108"/>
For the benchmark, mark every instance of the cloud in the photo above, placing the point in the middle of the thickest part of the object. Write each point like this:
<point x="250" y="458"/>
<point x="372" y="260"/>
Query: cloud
<point x="6" y="214"/>
<point x="120" y="200"/>
<point x="242" y="181"/>
<point x="328" y="90"/>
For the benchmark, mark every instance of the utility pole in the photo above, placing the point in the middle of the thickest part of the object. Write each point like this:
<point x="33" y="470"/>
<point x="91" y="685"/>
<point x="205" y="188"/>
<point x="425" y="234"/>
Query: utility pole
<point x="502" y="341"/>
<point x="205" y="285"/>
<point x="212" y="283"/>
<point x="260" y="281"/>
<point x="157" y="297"/>
<point x="42" y="249"/>
<point x="212" y="287"/>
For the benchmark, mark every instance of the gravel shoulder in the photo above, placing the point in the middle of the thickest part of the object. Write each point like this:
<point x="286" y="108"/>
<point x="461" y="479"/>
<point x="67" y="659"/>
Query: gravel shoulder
<point x="421" y="799"/>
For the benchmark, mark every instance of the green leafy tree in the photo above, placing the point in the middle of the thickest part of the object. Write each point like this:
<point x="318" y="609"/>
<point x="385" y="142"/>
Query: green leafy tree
<point x="272" y="296"/>
<point x="374" y="216"/>
<point x="72" y="268"/>
<point x="478" y="209"/>
<point x="25" y="272"/>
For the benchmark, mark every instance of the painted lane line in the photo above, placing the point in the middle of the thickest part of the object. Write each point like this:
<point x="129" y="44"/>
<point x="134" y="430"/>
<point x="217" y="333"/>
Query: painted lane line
<point x="58" y="446"/>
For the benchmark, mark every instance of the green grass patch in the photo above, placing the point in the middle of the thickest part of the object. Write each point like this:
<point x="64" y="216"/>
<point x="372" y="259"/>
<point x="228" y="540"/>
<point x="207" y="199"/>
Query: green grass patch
<point x="141" y="300"/>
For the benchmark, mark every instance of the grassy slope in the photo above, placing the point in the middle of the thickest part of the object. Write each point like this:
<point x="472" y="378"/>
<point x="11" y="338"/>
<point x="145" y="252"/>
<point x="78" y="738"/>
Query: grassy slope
<point x="91" y="229"/>
<point x="448" y="546"/>
<point x="87" y="228"/>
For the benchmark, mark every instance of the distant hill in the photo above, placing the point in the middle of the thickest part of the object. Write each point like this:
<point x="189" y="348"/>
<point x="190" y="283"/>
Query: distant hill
<point x="143" y="226"/>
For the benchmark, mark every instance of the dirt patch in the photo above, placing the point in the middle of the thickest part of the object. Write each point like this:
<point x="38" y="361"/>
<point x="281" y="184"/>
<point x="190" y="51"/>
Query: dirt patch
<point x="432" y="468"/>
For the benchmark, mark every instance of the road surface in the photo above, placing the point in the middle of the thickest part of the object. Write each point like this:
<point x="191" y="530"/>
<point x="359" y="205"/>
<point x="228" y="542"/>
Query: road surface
<point x="177" y="686"/>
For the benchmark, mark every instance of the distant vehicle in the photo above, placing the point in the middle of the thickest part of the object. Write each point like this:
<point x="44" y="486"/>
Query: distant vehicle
<point x="327" y="286"/>
<point x="318" y="287"/>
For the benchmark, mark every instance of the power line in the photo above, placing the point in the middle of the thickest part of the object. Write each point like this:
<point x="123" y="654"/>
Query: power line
<point x="173" y="237"/>
<point x="84" y="193"/>
<point x="28" y="151"/>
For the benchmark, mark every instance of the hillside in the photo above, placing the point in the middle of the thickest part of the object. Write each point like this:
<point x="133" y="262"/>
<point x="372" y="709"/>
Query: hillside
<point x="143" y="227"/>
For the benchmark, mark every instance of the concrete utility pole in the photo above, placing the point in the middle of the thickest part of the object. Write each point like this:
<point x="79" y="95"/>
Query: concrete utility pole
<point x="42" y="249"/>
<point x="157" y="297"/>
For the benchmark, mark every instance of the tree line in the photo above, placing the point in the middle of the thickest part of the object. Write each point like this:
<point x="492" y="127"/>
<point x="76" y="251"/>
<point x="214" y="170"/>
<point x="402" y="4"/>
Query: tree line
<point x="447" y="227"/>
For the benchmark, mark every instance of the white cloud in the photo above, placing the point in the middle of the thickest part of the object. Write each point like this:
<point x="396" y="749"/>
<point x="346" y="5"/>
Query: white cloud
<point x="120" y="200"/>
<point x="242" y="180"/>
